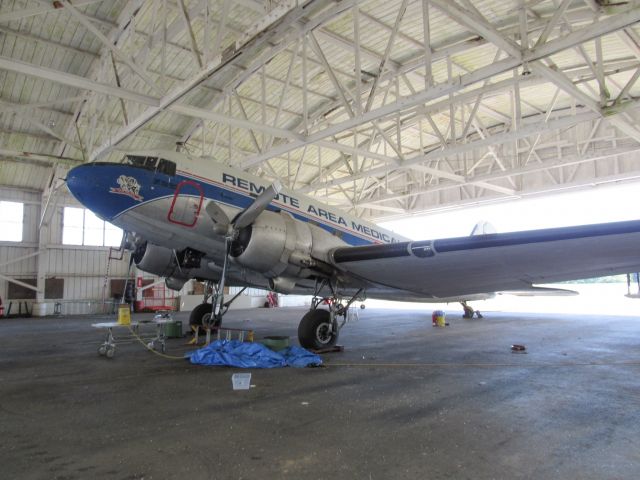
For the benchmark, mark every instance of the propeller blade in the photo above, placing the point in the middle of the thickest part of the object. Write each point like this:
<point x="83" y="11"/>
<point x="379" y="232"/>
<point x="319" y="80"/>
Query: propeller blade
<point x="218" y="217"/>
<point x="259" y="205"/>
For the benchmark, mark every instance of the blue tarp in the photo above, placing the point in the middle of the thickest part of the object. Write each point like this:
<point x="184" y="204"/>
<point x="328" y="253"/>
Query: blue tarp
<point x="233" y="353"/>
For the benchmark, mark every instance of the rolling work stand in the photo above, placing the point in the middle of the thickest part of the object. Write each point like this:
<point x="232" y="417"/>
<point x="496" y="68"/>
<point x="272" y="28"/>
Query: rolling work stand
<point x="157" y="341"/>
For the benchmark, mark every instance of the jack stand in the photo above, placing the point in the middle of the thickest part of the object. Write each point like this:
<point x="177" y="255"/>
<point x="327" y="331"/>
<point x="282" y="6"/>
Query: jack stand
<point x="469" y="312"/>
<point x="333" y="349"/>
<point x="218" y="332"/>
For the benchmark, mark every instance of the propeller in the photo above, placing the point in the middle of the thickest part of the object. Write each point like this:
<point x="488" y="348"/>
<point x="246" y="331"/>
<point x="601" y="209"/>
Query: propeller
<point x="222" y="224"/>
<point x="219" y="218"/>
<point x="261" y="202"/>
<point x="230" y="230"/>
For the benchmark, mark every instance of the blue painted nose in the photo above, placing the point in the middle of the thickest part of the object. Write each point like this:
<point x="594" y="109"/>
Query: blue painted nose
<point x="80" y="183"/>
<point x="107" y="189"/>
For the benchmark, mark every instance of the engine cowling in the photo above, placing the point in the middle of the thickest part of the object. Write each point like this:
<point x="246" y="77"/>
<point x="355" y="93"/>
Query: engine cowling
<point x="275" y="245"/>
<point x="282" y="284"/>
<point x="162" y="261"/>
<point x="155" y="259"/>
<point x="175" y="283"/>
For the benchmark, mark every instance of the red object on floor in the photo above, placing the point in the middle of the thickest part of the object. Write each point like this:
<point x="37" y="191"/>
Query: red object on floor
<point x="272" y="299"/>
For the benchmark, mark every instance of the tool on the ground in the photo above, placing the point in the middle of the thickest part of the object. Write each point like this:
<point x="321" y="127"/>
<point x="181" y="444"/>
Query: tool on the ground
<point x="332" y="349"/>
<point x="220" y="334"/>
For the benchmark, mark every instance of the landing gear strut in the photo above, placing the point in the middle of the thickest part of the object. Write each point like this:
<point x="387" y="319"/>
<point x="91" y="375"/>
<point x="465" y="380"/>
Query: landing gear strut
<point x="319" y="328"/>
<point x="206" y="315"/>
<point x="201" y="317"/>
<point x="469" y="312"/>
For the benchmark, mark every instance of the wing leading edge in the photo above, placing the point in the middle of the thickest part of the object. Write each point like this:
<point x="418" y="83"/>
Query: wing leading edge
<point x="461" y="266"/>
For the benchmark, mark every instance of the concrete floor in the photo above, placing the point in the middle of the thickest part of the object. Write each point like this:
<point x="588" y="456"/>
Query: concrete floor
<point x="405" y="400"/>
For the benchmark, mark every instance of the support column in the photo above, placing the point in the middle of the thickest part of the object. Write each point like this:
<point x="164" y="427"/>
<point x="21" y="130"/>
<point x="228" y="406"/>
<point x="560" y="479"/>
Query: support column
<point x="48" y="203"/>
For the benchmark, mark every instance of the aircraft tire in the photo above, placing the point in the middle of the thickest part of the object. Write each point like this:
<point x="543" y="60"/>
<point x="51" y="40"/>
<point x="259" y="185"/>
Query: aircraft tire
<point x="314" y="330"/>
<point x="198" y="314"/>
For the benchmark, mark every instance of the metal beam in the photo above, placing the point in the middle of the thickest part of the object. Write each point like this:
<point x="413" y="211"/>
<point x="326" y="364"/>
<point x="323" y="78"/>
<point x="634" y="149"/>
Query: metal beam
<point x="439" y="153"/>
<point x="475" y="23"/>
<point x="329" y="71"/>
<point x="45" y="8"/>
<point x="20" y="258"/>
<point x="116" y="36"/>
<point x="76" y="81"/>
<point x="37" y="123"/>
<point x="549" y="165"/>
<point x="385" y="57"/>
<point x="594" y="30"/>
<point x="22" y="284"/>
<point x="192" y="37"/>
<point x="274" y="24"/>
<point x="564" y="83"/>
<point x="107" y="44"/>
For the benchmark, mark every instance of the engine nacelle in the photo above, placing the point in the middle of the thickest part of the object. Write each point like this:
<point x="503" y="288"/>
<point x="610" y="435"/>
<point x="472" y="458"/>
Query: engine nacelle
<point x="175" y="283"/>
<point x="275" y="244"/>
<point x="282" y="284"/>
<point x="154" y="259"/>
<point x="163" y="262"/>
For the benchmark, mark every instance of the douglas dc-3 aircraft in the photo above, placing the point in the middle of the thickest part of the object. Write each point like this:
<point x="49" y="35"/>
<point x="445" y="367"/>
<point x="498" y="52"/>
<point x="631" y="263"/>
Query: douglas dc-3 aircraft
<point x="186" y="218"/>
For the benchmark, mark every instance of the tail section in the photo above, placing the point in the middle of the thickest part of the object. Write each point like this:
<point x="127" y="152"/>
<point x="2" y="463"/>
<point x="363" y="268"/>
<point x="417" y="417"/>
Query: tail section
<point x="483" y="228"/>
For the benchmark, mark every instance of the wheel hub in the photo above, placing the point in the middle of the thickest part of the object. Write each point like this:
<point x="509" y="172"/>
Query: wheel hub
<point x="324" y="333"/>
<point x="206" y="320"/>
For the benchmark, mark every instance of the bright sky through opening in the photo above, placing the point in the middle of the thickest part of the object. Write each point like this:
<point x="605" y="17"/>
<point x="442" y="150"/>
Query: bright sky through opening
<point x="597" y="205"/>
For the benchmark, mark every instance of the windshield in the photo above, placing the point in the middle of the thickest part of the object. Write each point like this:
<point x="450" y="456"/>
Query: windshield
<point x="151" y="163"/>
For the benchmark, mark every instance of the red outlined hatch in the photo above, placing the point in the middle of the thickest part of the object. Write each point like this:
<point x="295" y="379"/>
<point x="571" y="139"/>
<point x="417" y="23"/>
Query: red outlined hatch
<point x="186" y="204"/>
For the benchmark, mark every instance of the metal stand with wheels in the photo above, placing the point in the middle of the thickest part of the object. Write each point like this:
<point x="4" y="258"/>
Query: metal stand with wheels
<point x="155" y="342"/>
<point x="108" y="347"/>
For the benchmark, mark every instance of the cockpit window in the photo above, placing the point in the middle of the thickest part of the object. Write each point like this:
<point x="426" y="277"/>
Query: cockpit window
<point x="151" y="163"/>
<point x="136" y="160"/>
<point x="167" y="167"/>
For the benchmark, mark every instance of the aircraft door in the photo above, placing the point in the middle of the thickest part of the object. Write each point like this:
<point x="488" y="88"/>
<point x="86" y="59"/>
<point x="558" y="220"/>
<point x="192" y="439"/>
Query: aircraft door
<point x="186" y="204"/>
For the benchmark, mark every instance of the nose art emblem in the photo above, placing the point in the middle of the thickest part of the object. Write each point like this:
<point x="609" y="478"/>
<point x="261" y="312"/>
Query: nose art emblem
<point x="128" y="186"/>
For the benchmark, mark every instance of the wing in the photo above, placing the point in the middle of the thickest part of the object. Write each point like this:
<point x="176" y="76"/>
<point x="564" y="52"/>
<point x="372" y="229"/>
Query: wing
<point x="454" y="267"/>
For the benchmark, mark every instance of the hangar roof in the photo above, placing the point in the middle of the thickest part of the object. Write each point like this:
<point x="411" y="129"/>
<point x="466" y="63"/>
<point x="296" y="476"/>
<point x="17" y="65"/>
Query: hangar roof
<point x="384" y="108"/>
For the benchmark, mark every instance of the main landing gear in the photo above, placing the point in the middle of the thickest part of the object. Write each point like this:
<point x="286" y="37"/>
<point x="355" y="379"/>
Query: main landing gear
<point x="209" y="314"/>
<point x="469" y="312"/>
<point x="319" y="328"/>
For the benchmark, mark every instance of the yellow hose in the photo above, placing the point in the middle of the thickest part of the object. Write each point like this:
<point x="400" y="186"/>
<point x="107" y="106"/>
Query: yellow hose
<point x="160" y="354"/>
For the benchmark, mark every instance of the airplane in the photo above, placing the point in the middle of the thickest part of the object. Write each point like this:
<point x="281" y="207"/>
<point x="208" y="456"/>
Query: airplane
<point x="187" y="218"/>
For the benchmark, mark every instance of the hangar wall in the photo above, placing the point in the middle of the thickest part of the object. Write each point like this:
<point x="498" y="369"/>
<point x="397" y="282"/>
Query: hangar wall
<point x="82" y="267"/>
